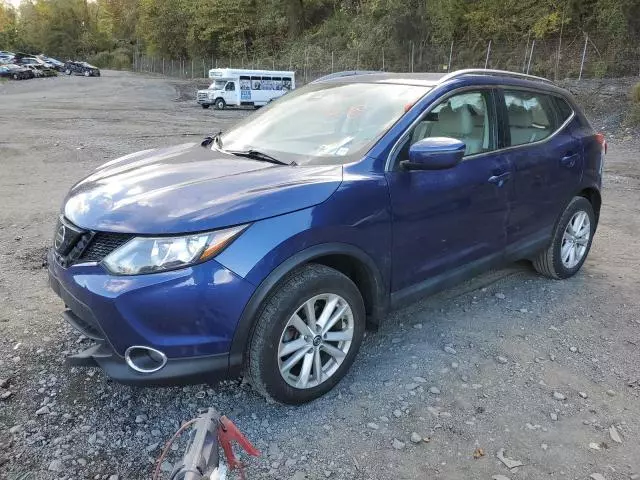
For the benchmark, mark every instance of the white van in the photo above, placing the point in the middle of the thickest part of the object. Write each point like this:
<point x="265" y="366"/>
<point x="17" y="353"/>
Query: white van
<point x="234" y="86"/>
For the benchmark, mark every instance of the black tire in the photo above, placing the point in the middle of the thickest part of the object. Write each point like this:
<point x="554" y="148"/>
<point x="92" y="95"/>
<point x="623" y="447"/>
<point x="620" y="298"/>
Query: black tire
<point x="67" y="71"/>
<point x="262" y="355"/>
<point x="549" y="261"/>
<point x="205" y="106"/>
<point x="220" y="104"/>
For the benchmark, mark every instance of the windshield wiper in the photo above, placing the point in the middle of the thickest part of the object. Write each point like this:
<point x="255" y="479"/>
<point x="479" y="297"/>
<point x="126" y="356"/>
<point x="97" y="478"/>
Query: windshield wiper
<point x="258" y="155"/>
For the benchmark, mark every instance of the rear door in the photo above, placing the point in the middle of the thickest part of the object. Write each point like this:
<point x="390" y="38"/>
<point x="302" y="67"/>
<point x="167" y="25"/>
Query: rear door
<point x="547" y="164"/>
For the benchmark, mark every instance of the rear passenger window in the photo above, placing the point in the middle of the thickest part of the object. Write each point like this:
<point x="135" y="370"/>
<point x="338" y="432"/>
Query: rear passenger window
<point x="530" y="115"/>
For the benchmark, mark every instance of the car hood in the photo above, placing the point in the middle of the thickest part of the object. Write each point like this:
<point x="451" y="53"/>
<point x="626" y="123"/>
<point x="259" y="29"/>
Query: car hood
<point x="189" y="188"/>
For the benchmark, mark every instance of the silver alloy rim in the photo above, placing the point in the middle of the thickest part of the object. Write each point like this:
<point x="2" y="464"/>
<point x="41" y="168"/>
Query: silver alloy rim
<point x="575" y="239"/>
<point x="315" y="341"/>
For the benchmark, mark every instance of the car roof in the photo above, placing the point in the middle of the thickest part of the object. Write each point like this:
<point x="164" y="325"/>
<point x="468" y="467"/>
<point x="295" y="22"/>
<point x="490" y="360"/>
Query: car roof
<point x="432" y="79"/>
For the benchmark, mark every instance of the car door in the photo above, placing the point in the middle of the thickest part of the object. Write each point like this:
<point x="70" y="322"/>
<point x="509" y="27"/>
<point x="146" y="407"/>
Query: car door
<point x="547" y="165"/>
<point x="229" y="93"/>
<point x="448" y="221"/>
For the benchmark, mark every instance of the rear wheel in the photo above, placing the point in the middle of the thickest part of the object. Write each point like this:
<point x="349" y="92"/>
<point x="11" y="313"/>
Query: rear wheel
<point x="67" y="71"/>
<point x="306" y="335"/>
<point x="220" y="104"/>
<point x="571" y="241"/>
<point x="87" y="73"/>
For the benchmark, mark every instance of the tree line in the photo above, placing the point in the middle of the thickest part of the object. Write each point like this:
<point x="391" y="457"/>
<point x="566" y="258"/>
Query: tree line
<point x="112" y="31"/>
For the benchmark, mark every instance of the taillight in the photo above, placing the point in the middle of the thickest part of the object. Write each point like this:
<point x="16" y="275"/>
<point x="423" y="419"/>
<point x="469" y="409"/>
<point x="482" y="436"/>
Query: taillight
<point x="602" y="141"/>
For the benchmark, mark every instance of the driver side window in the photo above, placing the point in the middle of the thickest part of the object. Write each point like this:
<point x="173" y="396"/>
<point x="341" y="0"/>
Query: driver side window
<point x="231" y="86"/>
<point x="466" y="117"/>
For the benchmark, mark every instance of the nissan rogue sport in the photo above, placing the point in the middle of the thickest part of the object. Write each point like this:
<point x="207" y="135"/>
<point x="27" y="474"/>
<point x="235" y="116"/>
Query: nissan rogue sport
<point x="268" y="249"/>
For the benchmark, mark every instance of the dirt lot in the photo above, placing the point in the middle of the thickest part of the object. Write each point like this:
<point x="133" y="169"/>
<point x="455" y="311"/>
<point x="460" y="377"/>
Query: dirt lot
<point x="546" y="370"/>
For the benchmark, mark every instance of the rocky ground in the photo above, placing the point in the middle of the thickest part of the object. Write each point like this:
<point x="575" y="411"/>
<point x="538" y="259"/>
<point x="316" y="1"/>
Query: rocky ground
<point x="509" y="376"/>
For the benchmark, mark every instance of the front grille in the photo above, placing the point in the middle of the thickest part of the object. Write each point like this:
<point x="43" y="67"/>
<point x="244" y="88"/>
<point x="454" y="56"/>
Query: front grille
<point x="102" y="244"/>
<point x="203" y="96"/>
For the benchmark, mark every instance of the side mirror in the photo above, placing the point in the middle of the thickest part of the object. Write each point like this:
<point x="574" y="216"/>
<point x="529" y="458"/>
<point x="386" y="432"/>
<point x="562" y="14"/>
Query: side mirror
<point x="437" y="153"/>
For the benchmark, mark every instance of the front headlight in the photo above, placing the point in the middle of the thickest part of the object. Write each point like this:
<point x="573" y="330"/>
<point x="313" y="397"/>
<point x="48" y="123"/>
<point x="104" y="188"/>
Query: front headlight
<point x="158" y="254"/>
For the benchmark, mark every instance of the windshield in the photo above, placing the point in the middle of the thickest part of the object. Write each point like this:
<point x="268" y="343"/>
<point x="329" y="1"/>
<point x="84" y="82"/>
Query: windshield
<point x="218" y="85"/>
<point x="323" y="123"/>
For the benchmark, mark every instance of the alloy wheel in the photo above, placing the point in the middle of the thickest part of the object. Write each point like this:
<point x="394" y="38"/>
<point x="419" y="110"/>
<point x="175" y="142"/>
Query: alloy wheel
<point x="315" y="341"/>
<point x="575" y="239"/>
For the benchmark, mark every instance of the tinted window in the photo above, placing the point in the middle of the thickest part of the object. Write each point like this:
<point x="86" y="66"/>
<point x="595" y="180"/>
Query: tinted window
<point x="256" y="83"/>
<point x="564" y="110"/>
<point x="267" y="83"/>
<point x="530" y="116"/>
<point x="230" y="86"/>
<point x="465" y="117"/>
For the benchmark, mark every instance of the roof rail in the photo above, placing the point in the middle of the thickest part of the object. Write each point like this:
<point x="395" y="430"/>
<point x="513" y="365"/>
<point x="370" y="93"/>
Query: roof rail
<point x="484" y="71"/>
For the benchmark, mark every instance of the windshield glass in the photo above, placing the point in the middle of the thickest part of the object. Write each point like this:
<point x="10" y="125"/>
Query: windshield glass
<point x="323" y="123"/>
<point x="218" y="85"/>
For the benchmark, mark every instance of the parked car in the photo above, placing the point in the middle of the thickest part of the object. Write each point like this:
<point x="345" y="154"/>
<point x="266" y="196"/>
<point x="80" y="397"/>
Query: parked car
<point x="270" y="250"/>
<point x="41" y="70"/>
<point x="16" y="72"/>
<point x="81" y="68"/>
<point x="6" y="57"/>
<point x="57" y="64"/>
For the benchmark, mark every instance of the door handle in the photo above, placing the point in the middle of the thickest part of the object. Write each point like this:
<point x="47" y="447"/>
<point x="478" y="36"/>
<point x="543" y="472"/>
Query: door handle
<point x="499" y="180"/>
<point x="569" y="160"/>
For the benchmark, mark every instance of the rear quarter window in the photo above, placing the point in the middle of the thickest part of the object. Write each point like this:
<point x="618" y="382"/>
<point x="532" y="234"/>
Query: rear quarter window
<point x="564" y="110"/>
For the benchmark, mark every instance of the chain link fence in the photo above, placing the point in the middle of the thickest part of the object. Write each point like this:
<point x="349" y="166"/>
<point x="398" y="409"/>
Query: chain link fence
<point x="577" y="57"/>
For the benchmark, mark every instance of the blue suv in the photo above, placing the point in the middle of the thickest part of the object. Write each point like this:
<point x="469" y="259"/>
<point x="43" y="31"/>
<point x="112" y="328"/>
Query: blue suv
<point x="268" y="249"/>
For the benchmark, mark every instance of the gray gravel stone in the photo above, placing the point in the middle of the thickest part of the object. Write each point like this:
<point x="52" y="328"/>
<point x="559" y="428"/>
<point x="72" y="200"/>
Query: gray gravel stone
<point x="415" y="437"/>
<point x="56" y="466"/>
<point x="397" y="444"/>
<point x="449" y="349"/>
<point x="559" y="396"/>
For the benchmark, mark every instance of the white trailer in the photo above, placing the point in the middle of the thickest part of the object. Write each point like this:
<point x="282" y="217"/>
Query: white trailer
<point x="235" y="86"/>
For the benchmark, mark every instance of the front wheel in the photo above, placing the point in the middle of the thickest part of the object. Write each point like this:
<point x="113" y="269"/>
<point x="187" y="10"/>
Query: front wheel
<point x="571" y="241"/>
<point x="220" y="104"/>
<point x="307" y="335"/>
<point x="67" y="71"/>
<point x="87" y="73"/>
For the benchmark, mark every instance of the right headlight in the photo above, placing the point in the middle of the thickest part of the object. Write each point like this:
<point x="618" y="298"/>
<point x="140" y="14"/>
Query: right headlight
<point x="157" y="254"/>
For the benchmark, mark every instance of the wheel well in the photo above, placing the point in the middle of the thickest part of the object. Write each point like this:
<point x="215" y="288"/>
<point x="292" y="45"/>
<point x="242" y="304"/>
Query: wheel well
<point x="594" y="198"/>
<point x="359" y="274"/>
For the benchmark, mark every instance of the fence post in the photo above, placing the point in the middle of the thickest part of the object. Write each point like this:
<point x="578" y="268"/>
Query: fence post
<point x="555" y="73"/>
<point x="533" y="44"/>
<point x="358" y="59"/>
<point x="383" y="59"/>
<point x="526" y="54"/>
<point x="584" y="54"/>
<point x="486" y="61"/>
<point x="331" y="61"/>
<point x="204" y="70"/>
<point x="450" y="57"/>
<point x="412" y="52"/>
<point x="304" y="67"/>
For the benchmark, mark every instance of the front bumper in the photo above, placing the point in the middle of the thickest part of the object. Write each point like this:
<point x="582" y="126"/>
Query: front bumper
<point x="177" y="371"/>
<point x="190" y="315"/>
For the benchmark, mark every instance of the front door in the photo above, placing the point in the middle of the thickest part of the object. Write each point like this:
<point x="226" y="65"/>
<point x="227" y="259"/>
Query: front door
<point x="447" y="220"/>
<point x="229" y="93"/>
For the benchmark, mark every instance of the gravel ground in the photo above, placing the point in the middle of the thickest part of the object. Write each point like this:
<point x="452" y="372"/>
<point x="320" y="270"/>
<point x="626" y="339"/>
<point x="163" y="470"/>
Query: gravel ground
<point x="544" y="372"/>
